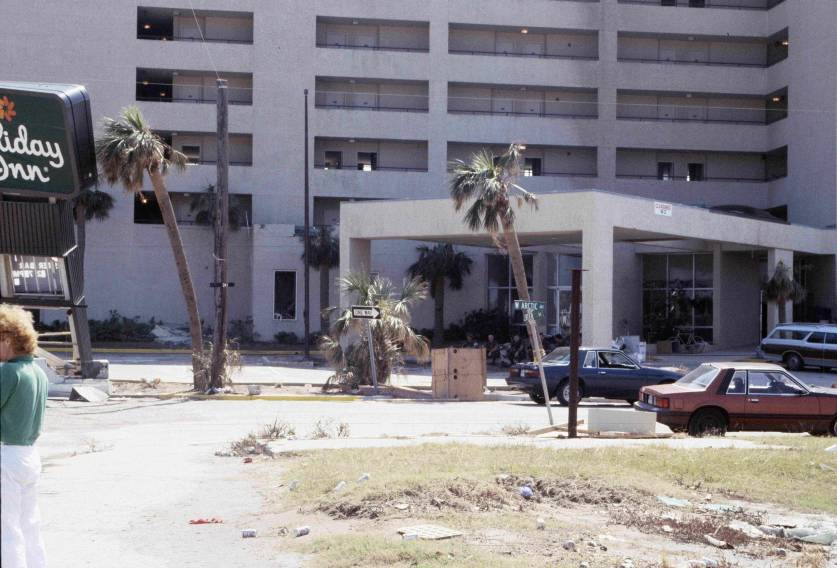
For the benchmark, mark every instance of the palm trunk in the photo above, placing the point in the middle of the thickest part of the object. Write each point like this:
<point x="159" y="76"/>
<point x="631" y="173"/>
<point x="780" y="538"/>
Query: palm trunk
<point x="167" y="211"/>
<point x="519" y="271"/>
<point x="324" y="290"/>
<point x="439" y="312"/>
<point x="783" y="310"/>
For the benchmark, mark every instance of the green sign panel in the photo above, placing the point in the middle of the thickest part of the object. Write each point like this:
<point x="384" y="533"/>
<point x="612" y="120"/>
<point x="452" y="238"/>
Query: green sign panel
<point x="46" y="140"/>
<point x="536" y="308"/>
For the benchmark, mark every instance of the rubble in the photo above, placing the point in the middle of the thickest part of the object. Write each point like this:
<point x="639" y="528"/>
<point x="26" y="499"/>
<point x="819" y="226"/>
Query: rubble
<point x="718" y="543"/>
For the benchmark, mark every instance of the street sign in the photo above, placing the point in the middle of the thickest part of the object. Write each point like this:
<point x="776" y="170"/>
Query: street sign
<point x="46" y="140"/>
<point x="366" y="312"/>
<point x="529" y="305"/>
<point x="663" y="209"/>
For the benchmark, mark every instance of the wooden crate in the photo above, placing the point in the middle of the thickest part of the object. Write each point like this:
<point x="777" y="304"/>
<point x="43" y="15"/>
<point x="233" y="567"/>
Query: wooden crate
<point x="459" y="373"/>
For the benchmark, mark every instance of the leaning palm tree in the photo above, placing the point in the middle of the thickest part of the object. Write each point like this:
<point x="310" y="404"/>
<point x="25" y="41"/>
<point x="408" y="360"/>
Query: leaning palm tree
<point x="439" y="265"/>
<point x="782" y="288"/>
<point x="128" y="150"/>
<point x="89" y="205"/>
<point x="392" y="335"/>
<point x="325" y="254"/>
<point x="490" y="182"/>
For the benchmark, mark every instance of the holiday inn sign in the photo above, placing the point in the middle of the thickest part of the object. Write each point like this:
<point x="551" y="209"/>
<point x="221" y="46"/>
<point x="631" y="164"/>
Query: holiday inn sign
<point x="46" y="140"/>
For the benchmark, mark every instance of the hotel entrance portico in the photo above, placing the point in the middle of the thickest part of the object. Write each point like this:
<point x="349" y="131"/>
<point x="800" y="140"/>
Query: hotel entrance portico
<point x="715" y="261"/>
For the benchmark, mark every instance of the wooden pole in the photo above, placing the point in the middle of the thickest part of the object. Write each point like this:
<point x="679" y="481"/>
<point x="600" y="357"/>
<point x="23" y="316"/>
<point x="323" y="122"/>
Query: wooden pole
<point x="575" y="340"/>
<point x="221" y="216"/>
<point x="538" y="353"/>
<point x="306" y="239"/>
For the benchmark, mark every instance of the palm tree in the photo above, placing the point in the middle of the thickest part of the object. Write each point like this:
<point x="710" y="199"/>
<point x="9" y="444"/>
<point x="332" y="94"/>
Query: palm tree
<point x="782" y="288"/>
<point x="436" y="265"/>
<point x="89" y="205"/>
<point x="128" y="150"/>
<point x="203" y="205"/>
<point x="392" y="335"/>
<point x="491" y="183"/>
<point x="325" y="254"/>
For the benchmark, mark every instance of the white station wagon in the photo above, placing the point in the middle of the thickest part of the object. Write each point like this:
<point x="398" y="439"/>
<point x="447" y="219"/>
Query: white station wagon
<point x="798" y="345"/>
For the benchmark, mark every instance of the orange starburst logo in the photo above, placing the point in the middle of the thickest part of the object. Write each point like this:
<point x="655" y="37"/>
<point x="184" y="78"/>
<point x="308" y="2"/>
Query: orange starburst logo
<point x="7" y="109"/>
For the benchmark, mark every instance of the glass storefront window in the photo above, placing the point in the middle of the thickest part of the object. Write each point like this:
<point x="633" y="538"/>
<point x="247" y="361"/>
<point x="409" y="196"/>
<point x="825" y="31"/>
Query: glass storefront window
<point x="559" y="294"/>
<point x="677" y="295"/>
<point x="502" y="290"/>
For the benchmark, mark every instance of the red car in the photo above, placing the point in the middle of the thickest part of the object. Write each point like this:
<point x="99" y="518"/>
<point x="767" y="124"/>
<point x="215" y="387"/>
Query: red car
<point x="716" y="397"/>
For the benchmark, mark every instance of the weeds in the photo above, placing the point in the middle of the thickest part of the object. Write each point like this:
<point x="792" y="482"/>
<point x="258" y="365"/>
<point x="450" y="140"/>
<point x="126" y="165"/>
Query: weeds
<point x="322" y="429"/>
<point x="518" y="429"/>
<point x="277" y="430"/>
<point x="343" y="430"/>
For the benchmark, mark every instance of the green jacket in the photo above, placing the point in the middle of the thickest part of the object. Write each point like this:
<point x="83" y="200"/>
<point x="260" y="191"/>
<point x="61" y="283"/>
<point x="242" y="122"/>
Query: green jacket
<point x="23" y="394"/>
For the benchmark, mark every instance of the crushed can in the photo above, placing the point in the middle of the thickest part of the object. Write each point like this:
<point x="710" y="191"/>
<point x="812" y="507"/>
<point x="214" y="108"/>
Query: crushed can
<point x="248" y="533"/>
<point x="302" y="531"/>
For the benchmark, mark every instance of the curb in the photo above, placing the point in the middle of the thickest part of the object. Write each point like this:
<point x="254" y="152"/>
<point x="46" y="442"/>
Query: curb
<point x="245" y="397"/>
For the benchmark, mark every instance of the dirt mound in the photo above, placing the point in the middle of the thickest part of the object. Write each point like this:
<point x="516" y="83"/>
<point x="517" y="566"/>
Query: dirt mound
<point x="574" y="491"/>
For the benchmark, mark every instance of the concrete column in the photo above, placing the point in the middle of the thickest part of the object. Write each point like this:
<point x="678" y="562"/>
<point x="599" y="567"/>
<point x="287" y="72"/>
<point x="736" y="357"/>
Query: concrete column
<point x="597" y="285"/>
<point x="437" y="144"/>
<point x="606" y="145"/>
<point x="717" y="294"/>
<point x="355" y="256"/>
<point x="774" y="257"/>
<point x="540" y="275"/>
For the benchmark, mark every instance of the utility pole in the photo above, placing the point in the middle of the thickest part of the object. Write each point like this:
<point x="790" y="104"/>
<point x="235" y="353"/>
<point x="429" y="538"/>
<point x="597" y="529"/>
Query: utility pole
<point x="221" y="216"/>
<point x="306" y="239"/>
<point x="575" y="341"/>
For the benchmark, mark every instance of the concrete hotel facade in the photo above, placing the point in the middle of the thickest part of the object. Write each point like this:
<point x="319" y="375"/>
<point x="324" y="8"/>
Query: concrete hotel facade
<point x="703" y="103"/>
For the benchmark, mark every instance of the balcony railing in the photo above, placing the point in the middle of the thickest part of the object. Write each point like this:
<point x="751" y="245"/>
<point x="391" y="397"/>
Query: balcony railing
<point x="725" y="4"/>
<point x="761" y="122"/>
<point x="213" y="162"/>
<point x="691" y="62"/>
<point x="370" y="107"/>
<point x="520" y="113"/>
<point x="320" y="166"/>
<point x="374" y="47"/>
<point x="188" y="100"/>
<point x="159" y="37"/>
<point x="705" y="178"/>
<point x="515" y="54"/>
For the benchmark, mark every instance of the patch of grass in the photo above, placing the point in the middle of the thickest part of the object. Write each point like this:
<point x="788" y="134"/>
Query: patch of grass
<point x="346" y="551"/>
<point x="784" y="477"/>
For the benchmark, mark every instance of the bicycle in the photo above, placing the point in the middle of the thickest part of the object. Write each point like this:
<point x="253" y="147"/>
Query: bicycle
<point x="689" y="342"/>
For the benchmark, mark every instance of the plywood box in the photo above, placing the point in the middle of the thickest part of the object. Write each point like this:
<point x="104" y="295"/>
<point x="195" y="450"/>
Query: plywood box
<point x="621" y="420"/>
<point x="459" y="373"/>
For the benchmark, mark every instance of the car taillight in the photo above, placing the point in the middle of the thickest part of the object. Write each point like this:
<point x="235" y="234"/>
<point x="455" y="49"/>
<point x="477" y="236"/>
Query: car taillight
<point x="514" y="372"/>
<point x="532" y="373"/>
<point x="662" y="402"/>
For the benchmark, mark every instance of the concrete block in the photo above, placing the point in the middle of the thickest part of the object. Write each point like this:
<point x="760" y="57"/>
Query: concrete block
<point x="621" y="420"/>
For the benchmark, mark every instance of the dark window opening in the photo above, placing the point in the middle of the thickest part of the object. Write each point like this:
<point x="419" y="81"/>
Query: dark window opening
<point x="146" y="210"/>
<point x="367" y="161"/>
<point x="668" y="2"/>
<point x="154" y="24"/>
<point x="192" y="153"/>
<point x="664" y="170"/>
<point x="531" y="167"/>
<point x="284" y="295"/>
<point x="154" y="85"/>
<point x="695" y="172"/>
<point x="697" y="3"/>
<point x="333" y="160"/>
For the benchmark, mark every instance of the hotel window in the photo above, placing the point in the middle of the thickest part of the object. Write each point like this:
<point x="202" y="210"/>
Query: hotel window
<point x="192" y="153"/>
<point x="502" y="291"/>
<point x="695" y="172"/>
<point x="333" y="160"/>
<point x="677" y="295"/>
<point x="664" y="170"/>
<point x="559" y="294"/>
<point x="367" y="161"/>
<point x="531" y="167"/>
<point x="284" y="294"/>
<point x="668" y="2"/>
<point x="697" y="3"/>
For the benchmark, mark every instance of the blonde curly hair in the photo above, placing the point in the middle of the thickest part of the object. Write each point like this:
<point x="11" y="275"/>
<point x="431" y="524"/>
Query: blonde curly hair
<point x="17" y="324"/>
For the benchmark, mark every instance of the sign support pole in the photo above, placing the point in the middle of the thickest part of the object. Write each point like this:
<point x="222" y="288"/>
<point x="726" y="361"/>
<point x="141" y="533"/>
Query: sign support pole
<point x="221" y="214"/>
<point x="373" y="365"/>
<point x="575" y="340"/>
<point x="537" y="351"/>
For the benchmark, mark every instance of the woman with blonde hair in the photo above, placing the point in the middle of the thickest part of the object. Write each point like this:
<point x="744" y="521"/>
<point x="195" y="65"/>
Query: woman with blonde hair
<point x="23" y="393"/>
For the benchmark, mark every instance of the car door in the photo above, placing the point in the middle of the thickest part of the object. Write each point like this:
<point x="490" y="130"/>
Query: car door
<point x="829" y="352"/>
<point x="815" y="349"/>
<point x="591" y="375"/>
<point x="621" y="375"/>
<point x="777" y="402"/>
<point x="735" y="400"/>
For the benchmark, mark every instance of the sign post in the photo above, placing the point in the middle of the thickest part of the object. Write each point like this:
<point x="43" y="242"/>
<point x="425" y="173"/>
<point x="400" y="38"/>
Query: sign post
<point x="535" y="310"/>
<point x="369" y="313"/>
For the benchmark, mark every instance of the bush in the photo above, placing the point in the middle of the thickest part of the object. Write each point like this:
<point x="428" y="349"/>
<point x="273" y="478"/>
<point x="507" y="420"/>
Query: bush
<point x="243" y="330"/>
<point x="286" y="338"/>
<point x="120" y="328"/>
<point x="483" y="322"/>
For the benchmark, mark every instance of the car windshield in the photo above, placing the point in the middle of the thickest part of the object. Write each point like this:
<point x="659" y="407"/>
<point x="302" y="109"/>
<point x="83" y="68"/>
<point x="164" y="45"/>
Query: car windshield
<point x="559" y="355"/>
<point x="699" y="378"/>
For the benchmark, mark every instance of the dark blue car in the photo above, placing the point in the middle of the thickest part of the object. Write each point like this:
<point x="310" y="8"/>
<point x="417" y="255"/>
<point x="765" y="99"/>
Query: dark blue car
<point x="604" y="373"/>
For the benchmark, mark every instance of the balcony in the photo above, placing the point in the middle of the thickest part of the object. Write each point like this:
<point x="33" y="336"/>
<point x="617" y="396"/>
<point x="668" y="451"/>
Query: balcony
<point x="522" y="101"/>
<point x="374" y="35"/>
<point x="200" y="148"/>
<point x="197" y="87"/>
<point x="168" y="24"/>
<point x="539" y="43"/>
<point x="371" y="94"/>
<point x="693" y="50"/>
<point x="723" y="4"/>
<point x="701" y="108"/>
<point x="538" y="160"/>
<point x="369" y="155"/>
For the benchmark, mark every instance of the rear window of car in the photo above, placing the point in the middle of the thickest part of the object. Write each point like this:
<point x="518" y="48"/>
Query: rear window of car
<point x="818" y="337"/>
<point x="831" y="338"/>
<point x="559" y="355"/>
<point x="699" y="378"/>
<point x="792" y="334"/>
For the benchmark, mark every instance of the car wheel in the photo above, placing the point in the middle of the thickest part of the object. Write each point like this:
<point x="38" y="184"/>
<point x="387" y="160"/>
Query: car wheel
<point x="537" y="397"/>
<point x="709" y="422"/>
<point x="794" y="362"/>
<point x="832" y="431"/>
<point x="564" y="393"/>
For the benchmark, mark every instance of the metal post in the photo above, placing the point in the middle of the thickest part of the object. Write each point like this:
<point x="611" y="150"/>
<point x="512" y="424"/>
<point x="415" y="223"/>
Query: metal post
<point x="373" y="366"/>
<point x="307" y="248"/>
<point x="575" y="337"/>
<point x="537" y="351"/>
<point x="221" y="214"/>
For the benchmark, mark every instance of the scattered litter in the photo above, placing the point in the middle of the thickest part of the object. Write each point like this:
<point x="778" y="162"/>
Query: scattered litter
<point x="709" y="562"/>
<point x="212" y="521"/>
<point x="170" y="336"/>
<point x="718" y="543"/>
<point x="831" y="448"/>
<point x="799" y="533"/>
<point x="293" y="485"/>
<point x="526" y="492"/>
<point x="781" y="552"/>
<point x="722" y="508"/>
<point x="224" y="454"/>
<point x="282" y="531"/>
<point x="569" y="545"/>
<point x="772" y="531"/>
<point x="667" y="529"/>
<point x="340" y="486"/>
<point x="584" y="564"/>
<point x="151" y="384"/>
<point x="248" y="533"/>
<point x="430" y="532"/>
<point x="603" y="548"/>
<point x="747" y="529"/>
<point x="627" y="563"/>
<point x="363" y="477"/>
<point x="409" y="536"/>
<point x="826" y="538"/>
<point x="541" y="524"/>
<point x="779" y="521"/>
<point x="401" y="506"/>
<point x="301" y="531"/>
<point x="254" y="390"/>
<point x="88" y="394"/>
<point x="672" y="501"/>
<point x="248" y="460"/>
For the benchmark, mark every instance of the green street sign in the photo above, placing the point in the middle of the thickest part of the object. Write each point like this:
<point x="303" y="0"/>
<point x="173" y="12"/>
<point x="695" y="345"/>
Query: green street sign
<point x="537" y="309"/>
<point x="46" y="140"/>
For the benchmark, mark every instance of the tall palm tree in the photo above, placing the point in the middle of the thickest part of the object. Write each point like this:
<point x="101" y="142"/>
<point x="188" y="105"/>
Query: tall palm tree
<point x="782" y="288"/>
<point x="203" y="205"/>
<point x="490" y="183"/>
<point x="436" y="265"/>
<point x="128" y="150"/>
<point x="392" y="335"/>
<point x="89" y="205"/>
<point x="325" y="254"/>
